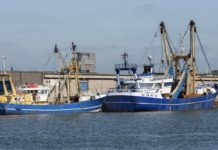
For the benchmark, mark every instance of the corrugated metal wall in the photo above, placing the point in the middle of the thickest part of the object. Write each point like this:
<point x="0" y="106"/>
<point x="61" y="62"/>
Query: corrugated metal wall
<point x="22" y="77"/>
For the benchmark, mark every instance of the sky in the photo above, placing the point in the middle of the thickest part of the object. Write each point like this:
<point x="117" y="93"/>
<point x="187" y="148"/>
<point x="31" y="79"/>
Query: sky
<point x="29" y="29"/>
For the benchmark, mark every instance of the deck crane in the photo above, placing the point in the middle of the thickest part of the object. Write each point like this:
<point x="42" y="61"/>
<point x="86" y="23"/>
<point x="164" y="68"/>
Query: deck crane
<point x="69" y="70"/>
<point x="189" y="63"/>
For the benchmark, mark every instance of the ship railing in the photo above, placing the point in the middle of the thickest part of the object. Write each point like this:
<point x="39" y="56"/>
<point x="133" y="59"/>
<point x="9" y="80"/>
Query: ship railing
<point x="124" y="90"/>
<point x="162" y="78"/>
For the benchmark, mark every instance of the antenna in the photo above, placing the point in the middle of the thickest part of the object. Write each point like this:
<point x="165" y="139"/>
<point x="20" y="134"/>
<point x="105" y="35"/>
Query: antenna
<point x="4" y="66"/>
<point x="125" y="56"/>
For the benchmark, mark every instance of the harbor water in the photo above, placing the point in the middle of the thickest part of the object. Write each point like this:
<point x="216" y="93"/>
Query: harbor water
<point x="143" y="130"/>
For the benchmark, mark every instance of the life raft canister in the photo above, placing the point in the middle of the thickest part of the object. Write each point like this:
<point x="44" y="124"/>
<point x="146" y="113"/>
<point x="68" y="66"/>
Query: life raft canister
<point x="32" y="85"/>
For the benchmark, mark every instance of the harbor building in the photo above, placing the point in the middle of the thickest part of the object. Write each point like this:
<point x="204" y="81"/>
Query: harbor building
<point x="86" y="62"/>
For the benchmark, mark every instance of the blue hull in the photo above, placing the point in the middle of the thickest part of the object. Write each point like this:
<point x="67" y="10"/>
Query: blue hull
<point x="124" y="103"/>
<point x="18" y="109"/>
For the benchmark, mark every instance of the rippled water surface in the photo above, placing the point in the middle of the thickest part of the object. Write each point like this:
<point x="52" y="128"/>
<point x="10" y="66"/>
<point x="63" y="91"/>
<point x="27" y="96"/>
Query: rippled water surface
<point x="144" y="130"/>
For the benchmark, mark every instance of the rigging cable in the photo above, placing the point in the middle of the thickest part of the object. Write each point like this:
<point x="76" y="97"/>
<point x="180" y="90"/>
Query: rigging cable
<point x="47" y="62"/>
<point x="170" y="41"/>
<point x="202" y="49"/>
<point x="183" y="36"/>
<point x="155" y="35"/>
<point x="200" y="75"/>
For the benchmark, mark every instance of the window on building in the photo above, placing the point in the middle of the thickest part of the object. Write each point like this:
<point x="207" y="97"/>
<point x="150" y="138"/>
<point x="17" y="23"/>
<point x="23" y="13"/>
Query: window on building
<point x="85" y="56"/>
<point x="84" y="86"/>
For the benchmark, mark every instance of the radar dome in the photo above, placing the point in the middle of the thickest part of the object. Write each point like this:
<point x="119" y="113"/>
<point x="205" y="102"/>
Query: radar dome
<point x="149" y="58"/>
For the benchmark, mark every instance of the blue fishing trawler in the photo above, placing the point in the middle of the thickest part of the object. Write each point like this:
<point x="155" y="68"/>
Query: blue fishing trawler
<point x="124" y="103"/>
<point x="182" y="96"/>
<point x="76" y="107"/>
<point x="12" y="102"/>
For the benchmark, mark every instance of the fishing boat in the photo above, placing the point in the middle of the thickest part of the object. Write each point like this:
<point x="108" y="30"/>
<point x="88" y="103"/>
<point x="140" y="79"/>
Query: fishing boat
<point x="12" y="102"/>
<point x="183" y="95"/>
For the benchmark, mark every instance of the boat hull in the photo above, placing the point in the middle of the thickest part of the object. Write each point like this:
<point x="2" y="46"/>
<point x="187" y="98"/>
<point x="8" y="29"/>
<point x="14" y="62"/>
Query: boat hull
<point x="128" y="103"/>
<point x="85" y="106"/>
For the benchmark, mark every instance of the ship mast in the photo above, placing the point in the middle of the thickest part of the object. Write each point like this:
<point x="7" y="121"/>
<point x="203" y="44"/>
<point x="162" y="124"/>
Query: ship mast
<point x="125" y="67"/>
<point x="164" y="39"/>
<point x="74" y="67"/>
<point x="192" y="49"/>
<point x="171" y="70"/>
